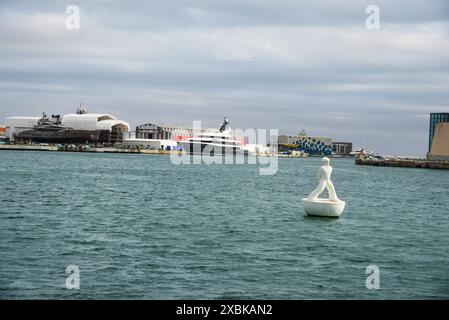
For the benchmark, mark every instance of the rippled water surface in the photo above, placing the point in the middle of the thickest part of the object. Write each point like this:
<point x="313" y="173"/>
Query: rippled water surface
<point x="140" y="227"/>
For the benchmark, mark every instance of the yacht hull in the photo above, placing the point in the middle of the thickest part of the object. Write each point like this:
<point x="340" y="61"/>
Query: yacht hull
<point x="60" y="136"/>
<point x="210" y="149"/>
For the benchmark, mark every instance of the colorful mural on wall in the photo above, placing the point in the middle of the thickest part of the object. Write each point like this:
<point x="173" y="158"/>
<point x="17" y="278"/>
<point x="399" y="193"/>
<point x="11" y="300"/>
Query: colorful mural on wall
<point x="314" y="146"/>
<point x="321" y="146"/>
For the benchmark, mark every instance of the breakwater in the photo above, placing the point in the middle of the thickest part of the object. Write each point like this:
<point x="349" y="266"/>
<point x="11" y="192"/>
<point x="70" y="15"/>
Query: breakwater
<point x="402" y="163"/>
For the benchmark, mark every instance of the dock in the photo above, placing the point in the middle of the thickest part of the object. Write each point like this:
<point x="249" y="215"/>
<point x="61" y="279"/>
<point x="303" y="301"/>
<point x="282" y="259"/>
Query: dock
<point x="24" y="147"/>
<point x="52" y="148"/>
<point x="402" y="163"/>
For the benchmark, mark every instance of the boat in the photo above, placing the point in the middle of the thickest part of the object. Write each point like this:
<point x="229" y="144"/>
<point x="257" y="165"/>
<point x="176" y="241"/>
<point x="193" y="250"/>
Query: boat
<point x="52" y="130"/>
<point x="292" y="154"/>
<point x="361" y="153"/>
<point x="214" y="142"/>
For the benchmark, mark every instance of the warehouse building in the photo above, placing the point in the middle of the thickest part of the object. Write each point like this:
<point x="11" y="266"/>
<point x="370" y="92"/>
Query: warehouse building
<point x="341" y="148"/>
<point x="80" y="127"/>
<point x="165" y="132"/>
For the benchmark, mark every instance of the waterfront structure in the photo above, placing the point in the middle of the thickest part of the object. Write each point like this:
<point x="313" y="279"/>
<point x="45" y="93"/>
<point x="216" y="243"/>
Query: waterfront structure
<point x="150" y="144"/>
<point x="342" y="148"/>
<point x="3" y="137"/>
<point x="130" y="140"/>
<point x="307" y="144"/>
<point x="15" y="125"/>
<point x="80" y="127"/>
<point x="403" y="163"/>
<point x="439" y="150"/>
<point x="151" y="134"/>
<point x="165" y="132"/>
<point x="435" y="119"/>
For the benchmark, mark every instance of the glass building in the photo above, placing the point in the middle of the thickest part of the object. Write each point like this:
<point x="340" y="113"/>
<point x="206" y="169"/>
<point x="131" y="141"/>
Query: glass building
<point x="436" y="118"/>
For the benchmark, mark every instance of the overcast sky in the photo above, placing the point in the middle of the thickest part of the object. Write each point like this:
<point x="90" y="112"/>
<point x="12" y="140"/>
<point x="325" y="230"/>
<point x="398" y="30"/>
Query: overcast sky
<point x="284" y="64"/>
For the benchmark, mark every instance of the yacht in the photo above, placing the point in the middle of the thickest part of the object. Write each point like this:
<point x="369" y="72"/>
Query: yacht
<point x="215" y="141"/>
<point x="45" y="124"/>
<point x="52" y="130"/>
<point x="358" y="152"/>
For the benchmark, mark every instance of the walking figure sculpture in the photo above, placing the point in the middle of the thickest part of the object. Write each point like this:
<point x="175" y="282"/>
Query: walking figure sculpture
<point x="324" y="176"/>
<point x="324" y="207"/>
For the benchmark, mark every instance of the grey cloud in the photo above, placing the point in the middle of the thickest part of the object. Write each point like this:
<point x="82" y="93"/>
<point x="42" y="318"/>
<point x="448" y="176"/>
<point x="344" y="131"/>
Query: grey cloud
<point x="193" y="13"/>
<point x="271" y="64"/>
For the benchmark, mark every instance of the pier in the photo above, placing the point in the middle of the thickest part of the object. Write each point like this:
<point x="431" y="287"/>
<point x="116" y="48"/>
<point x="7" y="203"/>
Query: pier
<point x="73" y="148"/>
<point x="23" y="147"/>
<point x="402" y="163"/>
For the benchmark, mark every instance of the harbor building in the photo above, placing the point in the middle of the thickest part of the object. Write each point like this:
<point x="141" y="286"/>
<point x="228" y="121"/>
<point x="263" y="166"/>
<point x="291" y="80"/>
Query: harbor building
<point x="307" y="144"/>
<point x="159" y="137"/>
<point x="3" y="137"/>
<point x="173" y="137"/>
<point x="435" y="119"/>
<point x="342" y="148"/>
<point x="79" y="127"/>
<point x="130" y="140"/>
<point x="438" y="137"/>
<point x="15" y="125"/>
<point x="165" y="132"/>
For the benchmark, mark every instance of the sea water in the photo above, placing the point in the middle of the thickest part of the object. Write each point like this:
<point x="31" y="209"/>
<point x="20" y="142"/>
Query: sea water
<point x="138" y="226"/>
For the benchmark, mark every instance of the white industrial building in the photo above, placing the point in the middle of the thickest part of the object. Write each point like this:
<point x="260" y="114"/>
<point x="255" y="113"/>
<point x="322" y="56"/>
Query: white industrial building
<point x="151" y="144"/>
<point x="77" y="126"/>
<point x="91" y="121"/>
<point x="18" y="124"/>
<point x="130" y="140"/>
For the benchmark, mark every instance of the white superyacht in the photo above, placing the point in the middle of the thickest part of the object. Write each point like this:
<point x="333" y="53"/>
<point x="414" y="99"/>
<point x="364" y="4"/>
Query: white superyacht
<point x="214" y="142"/>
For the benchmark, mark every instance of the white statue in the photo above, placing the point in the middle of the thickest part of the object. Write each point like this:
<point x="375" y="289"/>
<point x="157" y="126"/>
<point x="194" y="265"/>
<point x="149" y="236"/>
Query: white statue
<point x="331" y="207"/>
<point x="324" y="176"/>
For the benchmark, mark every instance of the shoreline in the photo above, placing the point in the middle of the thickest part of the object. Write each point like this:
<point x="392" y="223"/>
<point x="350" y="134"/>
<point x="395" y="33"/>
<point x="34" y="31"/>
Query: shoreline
<point x="53" y="148"/>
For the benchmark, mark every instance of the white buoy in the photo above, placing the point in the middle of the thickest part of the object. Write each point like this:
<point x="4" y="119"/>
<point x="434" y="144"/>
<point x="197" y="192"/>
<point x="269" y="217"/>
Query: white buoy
<point x="324" y="207"/>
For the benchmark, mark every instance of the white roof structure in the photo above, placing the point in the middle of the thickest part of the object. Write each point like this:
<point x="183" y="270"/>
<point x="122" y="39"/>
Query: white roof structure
<point x="21" y="121"/>
<point x="14" y="124"/>
<point x="91" y="121"/>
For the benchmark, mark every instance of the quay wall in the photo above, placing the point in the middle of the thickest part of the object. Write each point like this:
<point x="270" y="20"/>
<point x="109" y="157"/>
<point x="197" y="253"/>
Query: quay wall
<point x="81" y="149"/>
<point x="404" y="163"/>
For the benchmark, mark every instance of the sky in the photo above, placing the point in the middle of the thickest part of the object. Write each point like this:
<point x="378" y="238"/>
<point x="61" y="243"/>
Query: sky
<point x="280" y="64"/>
